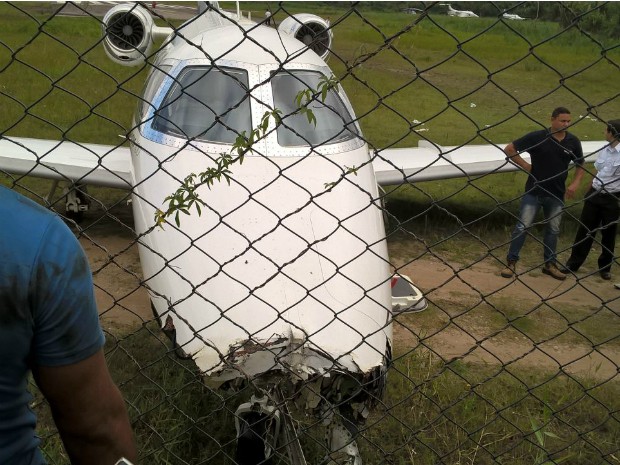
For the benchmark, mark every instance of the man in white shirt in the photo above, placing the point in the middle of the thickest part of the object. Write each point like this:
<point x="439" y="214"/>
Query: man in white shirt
<point x="601" y="209"/>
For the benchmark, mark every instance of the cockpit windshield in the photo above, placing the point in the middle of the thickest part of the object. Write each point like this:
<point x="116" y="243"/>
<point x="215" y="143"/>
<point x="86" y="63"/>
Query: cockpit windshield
<point x="334" y="123"/>
<point x="207" y="104"/>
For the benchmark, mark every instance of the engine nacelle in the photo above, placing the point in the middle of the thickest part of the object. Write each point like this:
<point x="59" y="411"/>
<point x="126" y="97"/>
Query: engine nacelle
<point x="129" y="32"/>
<point x="310" y="29"/>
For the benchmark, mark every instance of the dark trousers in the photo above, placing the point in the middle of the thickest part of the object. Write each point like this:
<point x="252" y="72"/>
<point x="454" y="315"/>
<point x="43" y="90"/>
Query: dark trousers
<point x="600" y="213"/>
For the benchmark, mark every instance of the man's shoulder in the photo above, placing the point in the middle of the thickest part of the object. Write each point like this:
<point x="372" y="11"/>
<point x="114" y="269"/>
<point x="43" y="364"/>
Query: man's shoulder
<point x="538" y="134"/>
<point x="25" y="222"/>
<point x="14" y="204"/>
<point x="531" y="140"/>
<point x="574" y="145"/>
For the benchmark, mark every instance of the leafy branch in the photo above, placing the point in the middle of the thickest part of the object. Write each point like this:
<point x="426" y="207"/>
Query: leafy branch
<point x="306" y="96"/>
<point x="350" y="170"/>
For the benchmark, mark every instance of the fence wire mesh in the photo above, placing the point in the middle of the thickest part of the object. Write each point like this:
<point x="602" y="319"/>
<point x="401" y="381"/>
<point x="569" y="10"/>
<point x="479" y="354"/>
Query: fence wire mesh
<point x="495" y="370"/>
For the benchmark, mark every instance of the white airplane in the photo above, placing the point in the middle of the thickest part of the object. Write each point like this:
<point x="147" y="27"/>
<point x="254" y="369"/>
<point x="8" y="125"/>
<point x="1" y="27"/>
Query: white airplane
<point x="459" y="13"/>
<point x="512" y="17"/>
<point x="283" y="282"/>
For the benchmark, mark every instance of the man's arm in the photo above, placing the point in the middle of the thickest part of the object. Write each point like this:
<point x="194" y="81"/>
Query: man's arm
<point x="513" y="156"/>
<point x="573" y="186"/>
<point x="89" y="411"/>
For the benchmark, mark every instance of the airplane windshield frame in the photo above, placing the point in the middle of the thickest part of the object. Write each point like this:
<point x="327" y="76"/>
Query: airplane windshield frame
<point x="151" y="86"/>
<point x="185" y="114"/>
<point x="334" y="122"/>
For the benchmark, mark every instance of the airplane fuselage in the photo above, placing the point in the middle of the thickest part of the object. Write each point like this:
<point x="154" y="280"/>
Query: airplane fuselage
<point x="286" y="268"/>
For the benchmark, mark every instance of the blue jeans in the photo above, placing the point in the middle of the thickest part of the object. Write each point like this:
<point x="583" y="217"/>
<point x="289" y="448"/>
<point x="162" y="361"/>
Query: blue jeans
<point x="552" y="211"/>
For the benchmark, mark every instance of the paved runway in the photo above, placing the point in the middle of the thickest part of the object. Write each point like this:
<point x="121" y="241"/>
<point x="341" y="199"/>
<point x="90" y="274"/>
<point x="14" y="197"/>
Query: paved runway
<point x="99" y="9"/>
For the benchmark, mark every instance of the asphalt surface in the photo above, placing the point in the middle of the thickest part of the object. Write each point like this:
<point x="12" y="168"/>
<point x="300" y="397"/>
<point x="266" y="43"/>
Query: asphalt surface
<point x="99" y="9"/>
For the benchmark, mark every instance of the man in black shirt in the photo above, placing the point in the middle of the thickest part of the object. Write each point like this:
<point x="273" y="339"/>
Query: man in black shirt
<point x="551" y="151"/>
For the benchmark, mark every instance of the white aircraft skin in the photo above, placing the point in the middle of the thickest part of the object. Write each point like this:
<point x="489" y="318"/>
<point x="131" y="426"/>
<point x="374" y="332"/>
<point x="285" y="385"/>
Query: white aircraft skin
<point x="280" y="279"/>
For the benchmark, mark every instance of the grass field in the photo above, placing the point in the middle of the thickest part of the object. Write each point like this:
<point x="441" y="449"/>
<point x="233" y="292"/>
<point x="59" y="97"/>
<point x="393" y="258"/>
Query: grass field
<point x="395" y="71"/>
<point x="447" y="80"/>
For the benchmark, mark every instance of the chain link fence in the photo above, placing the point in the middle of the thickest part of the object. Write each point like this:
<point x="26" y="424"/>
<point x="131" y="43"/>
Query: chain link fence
<point x="495" y="370"/>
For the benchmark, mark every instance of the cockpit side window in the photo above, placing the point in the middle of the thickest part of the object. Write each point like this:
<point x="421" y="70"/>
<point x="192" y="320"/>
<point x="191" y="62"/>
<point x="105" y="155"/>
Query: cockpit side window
<point x="334" y="123"/>
<point x="153" y="83"/>
<point x="206" y="104"/>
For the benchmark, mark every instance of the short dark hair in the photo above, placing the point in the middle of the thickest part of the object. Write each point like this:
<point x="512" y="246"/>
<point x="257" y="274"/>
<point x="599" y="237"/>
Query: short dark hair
<point x="560" y="111"/>
<point x="613" y="126"/>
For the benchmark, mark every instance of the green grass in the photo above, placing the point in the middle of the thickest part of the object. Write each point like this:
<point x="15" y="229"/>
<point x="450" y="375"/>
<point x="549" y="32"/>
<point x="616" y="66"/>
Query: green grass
<point x="396" y="69"/>
<point x="423" y="76"/>
<point x="172" y="411"/>
<point x="431" y="412"/>
<point x="462" y="413"/>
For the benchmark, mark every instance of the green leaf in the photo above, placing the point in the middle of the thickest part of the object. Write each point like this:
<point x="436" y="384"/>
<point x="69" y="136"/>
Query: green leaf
<point x="537" y="433"/>
<point x="311" y="117"/>
<point x="324" y="94"/>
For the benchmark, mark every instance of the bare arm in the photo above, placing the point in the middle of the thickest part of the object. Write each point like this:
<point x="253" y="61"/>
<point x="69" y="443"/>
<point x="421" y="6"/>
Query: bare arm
<point x="573" y="186"/>
<point x="513" y="156"/>
<point x="89" y="411"/>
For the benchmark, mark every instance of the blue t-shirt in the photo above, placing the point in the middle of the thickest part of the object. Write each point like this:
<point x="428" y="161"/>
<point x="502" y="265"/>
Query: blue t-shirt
<point x="48" y="315"/>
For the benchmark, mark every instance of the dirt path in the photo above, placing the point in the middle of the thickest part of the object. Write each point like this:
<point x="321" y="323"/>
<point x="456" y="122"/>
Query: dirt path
<point x="114" y="259"/>
<point x="457" y="291"/>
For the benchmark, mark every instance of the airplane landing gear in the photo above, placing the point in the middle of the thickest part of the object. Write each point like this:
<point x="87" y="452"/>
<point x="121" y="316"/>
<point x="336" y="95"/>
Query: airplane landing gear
<point x="76" y="201"/>
<point x="76" y="198"/>
<point x="264" y="425"/>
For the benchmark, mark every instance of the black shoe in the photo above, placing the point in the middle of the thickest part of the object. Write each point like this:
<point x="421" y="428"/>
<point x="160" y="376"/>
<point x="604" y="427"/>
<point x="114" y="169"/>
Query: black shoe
<point x="566" y="269"/>
<point x="606" y="275"/>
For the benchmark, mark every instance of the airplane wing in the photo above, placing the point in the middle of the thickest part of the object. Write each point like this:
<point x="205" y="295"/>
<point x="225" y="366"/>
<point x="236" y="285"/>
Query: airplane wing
<point x="428" y="162"/>
<point x="103" y="165"/>
<point x="109" y="166"/>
